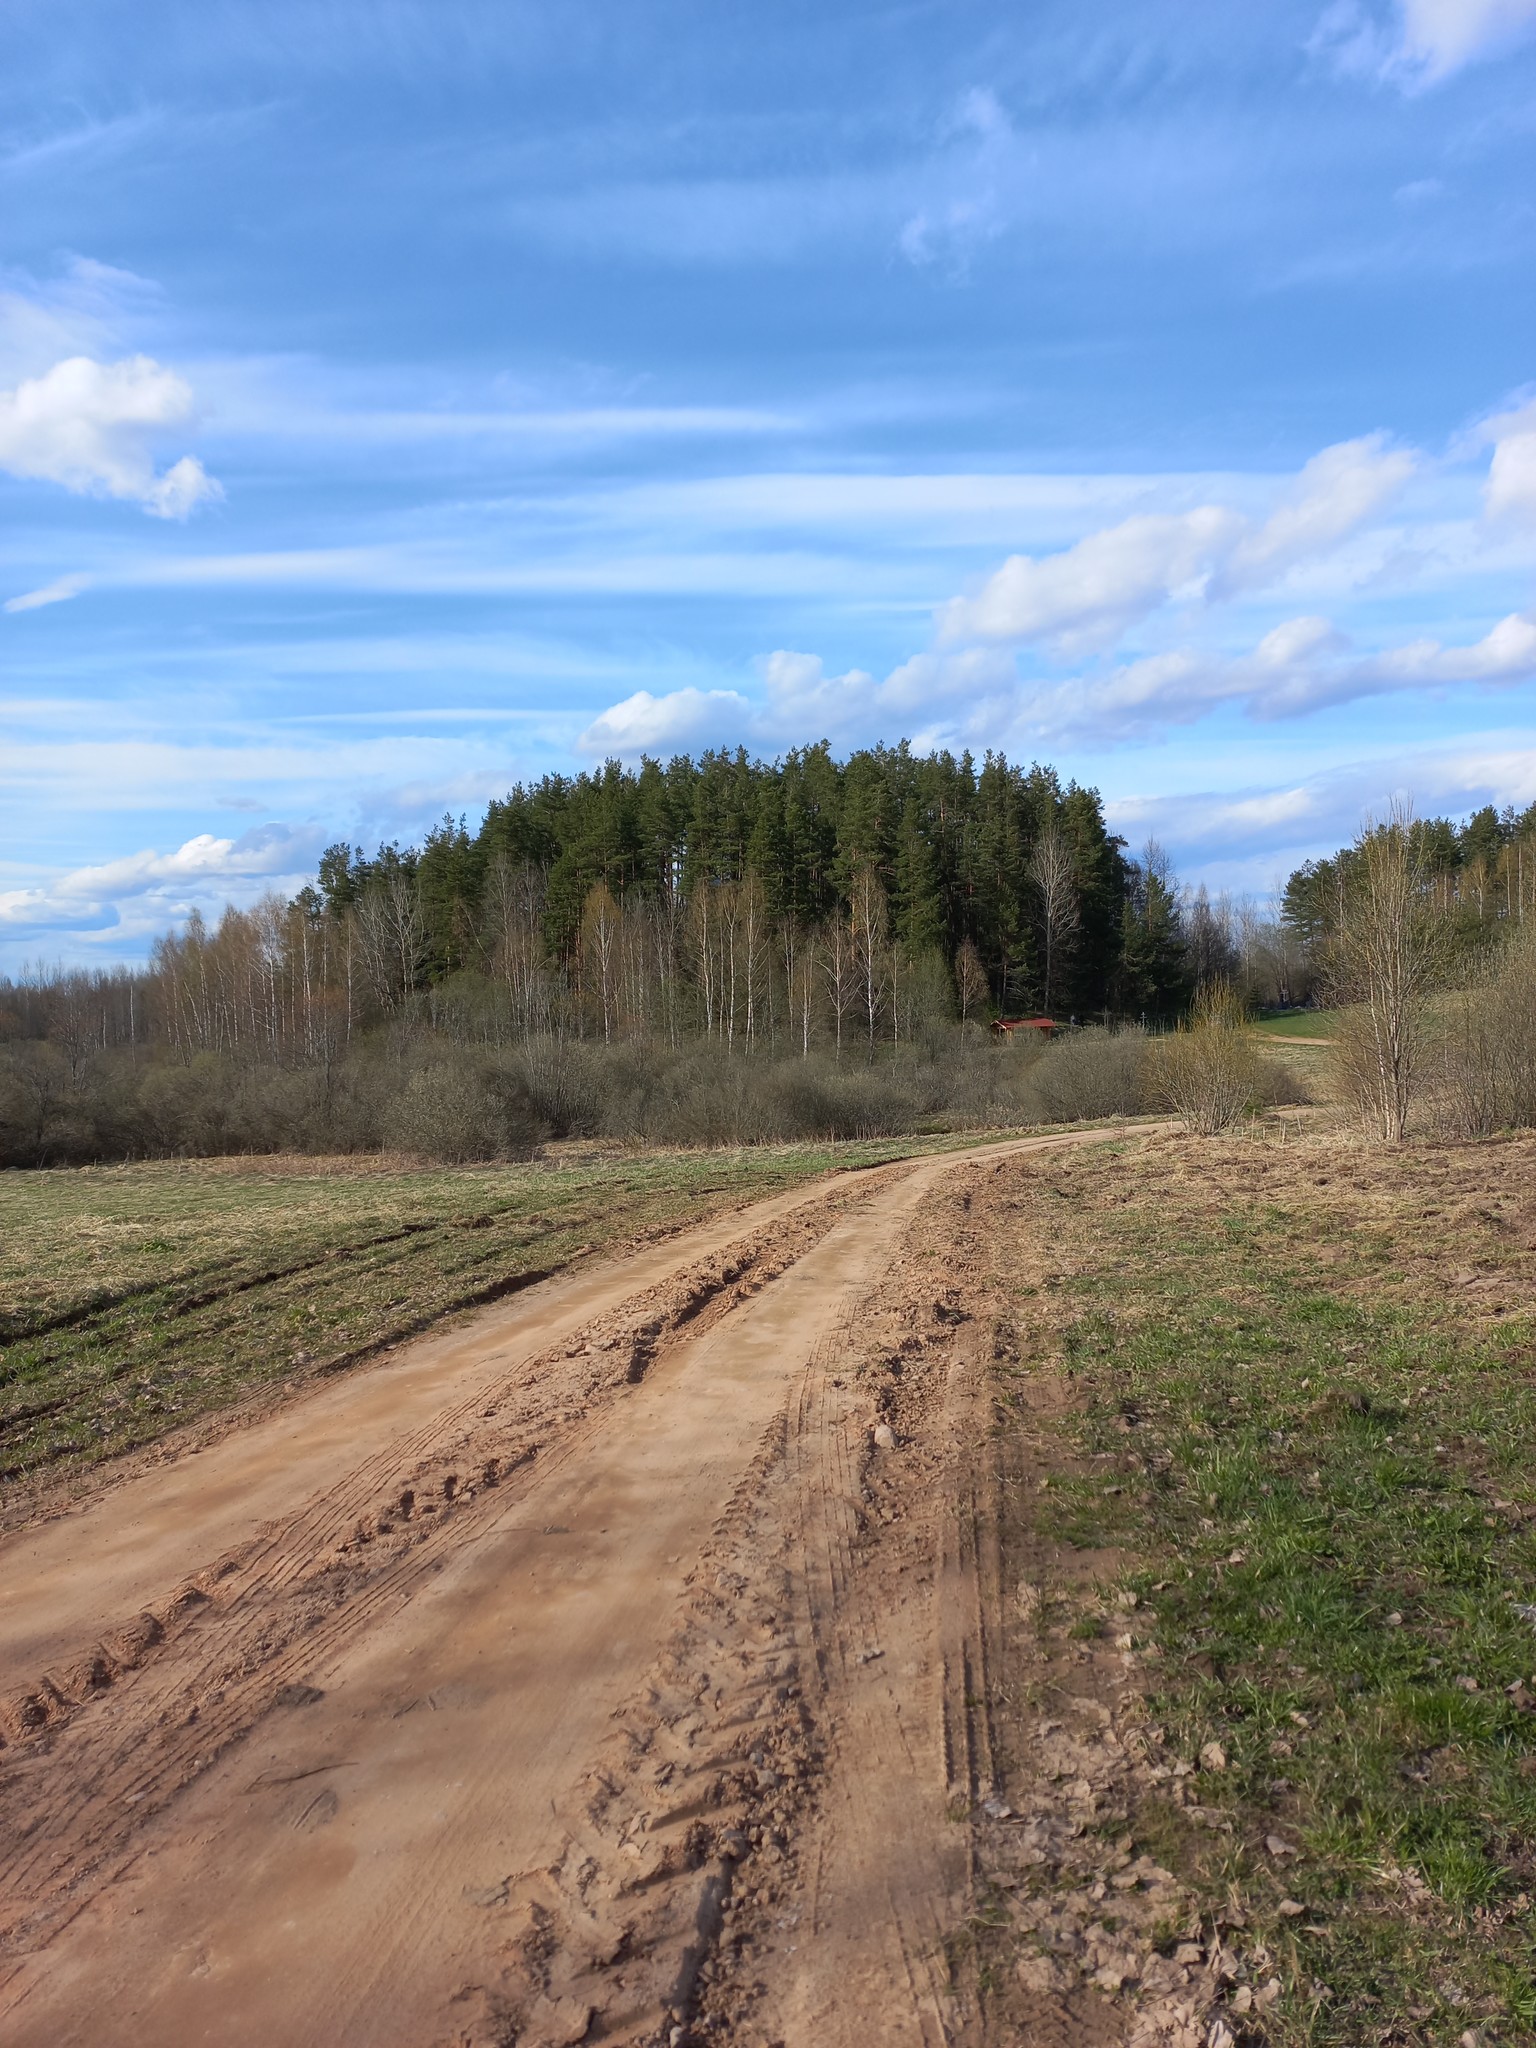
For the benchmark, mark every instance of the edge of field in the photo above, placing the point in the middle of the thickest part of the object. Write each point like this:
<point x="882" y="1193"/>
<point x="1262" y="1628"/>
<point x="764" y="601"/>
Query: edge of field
<point x="146" y="1309"/>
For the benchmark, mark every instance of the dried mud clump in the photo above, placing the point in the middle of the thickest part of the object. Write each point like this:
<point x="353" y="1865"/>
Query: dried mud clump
<point x="1109" y="1944"/>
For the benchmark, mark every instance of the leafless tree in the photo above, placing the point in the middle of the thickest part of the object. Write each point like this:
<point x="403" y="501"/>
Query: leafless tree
<point x="1276" y="964"/>
<point x="600" y="928"/>
<point x="1209" y="942"/>
<point x="514" y="918"/>
<point x="802" y="967"/>
<point x="970" y="981"/>
<point x="1483" y="1066"/>
<point x="868" y="926"/>
<point x="1386" y="956"/>
<point x="706" y="955"/>
<point x="840" y="974"/>
<point x="392" y="936"/>
<point x="74" y="1021"/>
<point x="752" y="935"/>
<point x="1054" y="875"/>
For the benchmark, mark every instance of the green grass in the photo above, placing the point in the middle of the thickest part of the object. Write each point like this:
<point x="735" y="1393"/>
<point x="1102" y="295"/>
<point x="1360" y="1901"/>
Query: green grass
<point x="134" y="1299"/>
<point x="1297" y="1023"/>
<point x="1334" y="1502"/>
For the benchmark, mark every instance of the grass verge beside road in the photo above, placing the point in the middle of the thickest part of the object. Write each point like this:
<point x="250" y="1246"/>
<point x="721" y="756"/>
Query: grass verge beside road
<point x="1306" y="1408"/>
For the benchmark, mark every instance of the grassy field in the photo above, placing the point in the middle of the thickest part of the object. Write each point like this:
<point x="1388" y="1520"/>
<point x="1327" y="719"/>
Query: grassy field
<point x="134" y="1299"/>
<point x="1306" y="1411"/>
<point x="1297" y="1023"/>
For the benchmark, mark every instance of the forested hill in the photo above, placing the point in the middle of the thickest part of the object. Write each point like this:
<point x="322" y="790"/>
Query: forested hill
<point x="995" y="857"/>
<point x="718" y="949"/>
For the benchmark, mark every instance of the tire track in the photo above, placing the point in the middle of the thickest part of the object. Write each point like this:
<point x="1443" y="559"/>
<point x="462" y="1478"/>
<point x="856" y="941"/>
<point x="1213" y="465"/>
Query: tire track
<point x="242" y="1641"/>
<point x="316" y="1809"/>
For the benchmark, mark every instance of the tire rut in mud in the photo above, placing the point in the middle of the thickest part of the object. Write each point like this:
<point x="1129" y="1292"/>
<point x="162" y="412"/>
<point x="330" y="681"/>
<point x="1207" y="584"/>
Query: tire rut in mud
<point x="104" y="1740"/>
<point x="792" y="1779"/>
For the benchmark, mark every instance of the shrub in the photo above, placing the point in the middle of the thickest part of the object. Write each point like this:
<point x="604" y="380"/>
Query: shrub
<point x="1389" y="950"/>
<point x="454" y="1112"/>
<point x="1483" y="1065"/>
<point x="1093" y="1073"/>
<point x="1208" y="1072"/>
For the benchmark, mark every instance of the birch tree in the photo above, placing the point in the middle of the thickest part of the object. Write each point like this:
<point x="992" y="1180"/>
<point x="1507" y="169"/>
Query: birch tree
<point x="1054" y="875"/>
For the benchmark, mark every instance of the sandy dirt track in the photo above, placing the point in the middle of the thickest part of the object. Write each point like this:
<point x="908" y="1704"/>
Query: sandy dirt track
<point x="450" y="1703"/>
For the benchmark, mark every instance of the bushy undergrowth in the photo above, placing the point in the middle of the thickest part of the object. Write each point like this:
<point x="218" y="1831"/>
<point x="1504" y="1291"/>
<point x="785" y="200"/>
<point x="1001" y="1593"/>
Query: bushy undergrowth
<point x="423" y="1094"/>
<point x="1093" y="1073"/>
<point x="1482" y="1062"/>
<point x="1210" y="1073"/>
<point x="426" y="1093"/>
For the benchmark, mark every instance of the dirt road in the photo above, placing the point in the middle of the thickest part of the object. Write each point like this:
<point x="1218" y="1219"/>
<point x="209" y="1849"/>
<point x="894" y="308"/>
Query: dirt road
<point x="465" y="1700"/>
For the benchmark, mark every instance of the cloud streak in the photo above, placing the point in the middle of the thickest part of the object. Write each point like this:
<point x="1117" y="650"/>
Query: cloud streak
<point x="60" y="591"/>
<point x="1088" y="594"/>
<point x="203" y="869"/>
<point x="975" y="697"/>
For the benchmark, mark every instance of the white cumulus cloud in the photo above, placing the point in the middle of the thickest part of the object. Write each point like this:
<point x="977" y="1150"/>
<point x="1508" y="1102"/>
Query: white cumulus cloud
<point x="1420" y="42"/>
<point x="1096" y="588"/>
<point x="1511" y="489"/>
<point x="1437" y="37"/>
<point x="1087" y="594"/>
<point x="974" y="696"/>
<point x="647" y="724"/>
<point x="1334" y="493"/>
<point x="165" y="885"/>
<point x="93" y="427"/>
<point x="1507" y="654"/>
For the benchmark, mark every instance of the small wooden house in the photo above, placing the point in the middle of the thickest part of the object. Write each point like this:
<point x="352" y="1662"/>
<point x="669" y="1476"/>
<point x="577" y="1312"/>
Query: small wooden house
<point x="1024" y="1028"/>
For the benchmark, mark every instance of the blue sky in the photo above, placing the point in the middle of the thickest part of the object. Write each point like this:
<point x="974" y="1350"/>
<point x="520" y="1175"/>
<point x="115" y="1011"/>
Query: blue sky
<point x="398" y="400"/>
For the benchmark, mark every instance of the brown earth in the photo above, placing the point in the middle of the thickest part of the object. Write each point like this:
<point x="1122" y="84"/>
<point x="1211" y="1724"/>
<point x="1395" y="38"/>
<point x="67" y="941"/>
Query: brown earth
<point x="615" y="1667"/>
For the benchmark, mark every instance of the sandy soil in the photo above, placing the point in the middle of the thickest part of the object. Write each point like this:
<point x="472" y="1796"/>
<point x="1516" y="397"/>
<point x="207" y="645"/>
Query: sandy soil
<point x="534" y="1686"/>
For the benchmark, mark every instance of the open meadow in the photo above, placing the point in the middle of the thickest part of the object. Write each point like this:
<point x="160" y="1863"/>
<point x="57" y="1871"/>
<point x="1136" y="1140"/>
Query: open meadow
<point x="1315" y="1026"/>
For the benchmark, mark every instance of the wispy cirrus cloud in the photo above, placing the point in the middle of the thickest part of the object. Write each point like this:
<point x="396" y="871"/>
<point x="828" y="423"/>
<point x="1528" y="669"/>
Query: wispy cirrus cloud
<point x="975" y="697"/>
<point x="970" y="205"/>
<point x="84" y="307"/>
<point x="60" y="591"/>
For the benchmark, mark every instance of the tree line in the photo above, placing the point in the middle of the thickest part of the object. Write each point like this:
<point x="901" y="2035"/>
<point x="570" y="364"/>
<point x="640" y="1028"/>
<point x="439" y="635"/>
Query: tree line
<point x="604" y="950"/>
<point x="1480" y="875"/>
<point x="1423" y="935"/>
<point x="1007" y="878"/>
<point x="800" y="903"/>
